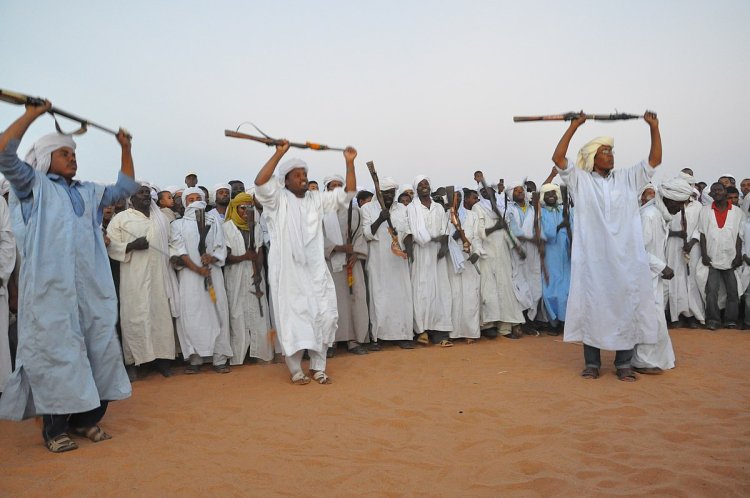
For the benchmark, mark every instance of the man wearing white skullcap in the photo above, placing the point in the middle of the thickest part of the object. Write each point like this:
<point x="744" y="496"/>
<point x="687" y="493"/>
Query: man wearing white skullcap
<point x="69" y="363"/>
<point x="388" y="273"/>
<point x="720" y="229"/>
<point x="685" y="290"/>
<point x="302" y="291"/>
<point x="345" y="250"/>
<point x="610" y="305"/>
<point x="431" y="291"/>
<point x="222" y="194"/>
<point x="669" y="199"/>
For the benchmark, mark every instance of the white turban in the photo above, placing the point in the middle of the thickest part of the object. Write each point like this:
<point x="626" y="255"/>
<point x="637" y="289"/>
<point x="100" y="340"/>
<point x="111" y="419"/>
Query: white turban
<point x="40" y="155"/>
<point x="516" y="183"/>
<point x="687" y="177"/>
<point x="289" y="165"/>
<point x="586" y="155"/>
<point x="329" y="179"/>
<point x="418" y="179"/>
<point x="172" y="189"/>
<point x="547" y="187"/>
<point x="218" y="187"/>
<point x="677" y="189"/>
<point x="388" y="183"/>
<point x="192" y="190"/>
<point x="728" y="175"/>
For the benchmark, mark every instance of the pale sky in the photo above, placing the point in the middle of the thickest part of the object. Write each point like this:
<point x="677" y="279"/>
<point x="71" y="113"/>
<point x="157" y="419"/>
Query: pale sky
<point x="418" y="87"/>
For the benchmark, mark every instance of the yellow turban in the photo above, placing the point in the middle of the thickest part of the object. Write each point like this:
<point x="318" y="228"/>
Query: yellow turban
<point x="234" y="215"/>
<point x="586" y="155"/>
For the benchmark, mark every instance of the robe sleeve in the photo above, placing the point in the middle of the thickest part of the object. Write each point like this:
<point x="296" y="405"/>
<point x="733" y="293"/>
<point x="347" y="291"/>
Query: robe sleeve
<point x="20" y="175"/>
<point x="125" y="187"/>
<point x="471" y="227"/>
<point x="569" y="176"/>
<point x="118" y="239"/>
<point x="421" y="237"/>
<point x="367" y="220"/>
<point x="639" y="175"/>
<point x="7" y="244"/>
<point x="549" y="225"/>
<point x="218" y="247"/>
<point x="268" y="194"/>
<point x="656" y="263"/>
<point x="334" y="199"/>
<point x="176" y="239"/>
<point x="358" y="240"/>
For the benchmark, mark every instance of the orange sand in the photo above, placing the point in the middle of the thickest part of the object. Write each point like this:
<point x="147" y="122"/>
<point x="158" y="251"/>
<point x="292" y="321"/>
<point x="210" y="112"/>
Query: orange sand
<point x="495" y="418"/>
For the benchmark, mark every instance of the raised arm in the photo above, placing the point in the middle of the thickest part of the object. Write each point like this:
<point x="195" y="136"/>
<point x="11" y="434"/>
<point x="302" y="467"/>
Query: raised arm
<point x="126" y="158"/>
<point x="266" y="172"/>
<point x="20" y="125"/>
<point x="351" y="180"/>
<point x="562" y="147"/>
<point x="654" y="155"/>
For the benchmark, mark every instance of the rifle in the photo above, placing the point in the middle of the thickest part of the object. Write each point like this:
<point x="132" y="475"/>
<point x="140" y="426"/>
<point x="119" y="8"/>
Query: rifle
<point x="683" y="223"/>
<point x="455" y="199"/>
<point x="349" y="237"/>
<point x="21" y="99"/>
<point x="395" y="246"/>
<point x="538" y="232"/>
<point x="503" y="224"/>
<point x="256" y="270"/>
<point x="265" y="139"/>
<point x="566" y="215"/>
<point x="569" y="116"/>
<point x="200" y="219"/>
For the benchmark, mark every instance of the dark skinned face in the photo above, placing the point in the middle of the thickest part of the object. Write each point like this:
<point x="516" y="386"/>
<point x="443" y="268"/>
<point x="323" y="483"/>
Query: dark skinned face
<point x="388" y="196"/>
<point x="296" y="182"/>
<point x="673" y="206"/>
<point x="141" y="200"/>
<point x="237" y="187"/>
<point x="734" y="198"/>
<point x="604" y="160"/>
<point x="404" y="199"/>
<point x="222" y="197"/>
<point x="550" y="198"/>
<point x="519" y="195"/>
<point x="191" y="180"/>
<point x="718" y="192"/>
<point x="471" y="199"/>
<point x="63" y="163"/>
<point x="423" y="188"/>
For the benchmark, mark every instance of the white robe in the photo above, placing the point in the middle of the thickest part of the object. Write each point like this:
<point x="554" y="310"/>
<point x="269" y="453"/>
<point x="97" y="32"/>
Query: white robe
<point x="7" y="263"/>
<point x="660" y="354"/>
<point x="527" y="272"/>
<point x="610" y="305"/>
<point x="203" y="326"/>
<point x="353" y="317"/>
<point x="465" y="285"/>
<point x="302" y="293"/>
<point x="431" y="290"/>
<point x="721" y="245"/>
<point x="249" y="330"/>
<point x="148" y="287"/>
<point x="499" y="301"/>
<point x="683" y="292"/>
<point x="391" y="312"/>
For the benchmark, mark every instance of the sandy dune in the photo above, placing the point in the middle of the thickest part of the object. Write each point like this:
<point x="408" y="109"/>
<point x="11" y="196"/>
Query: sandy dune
<point x="495" y="418"/>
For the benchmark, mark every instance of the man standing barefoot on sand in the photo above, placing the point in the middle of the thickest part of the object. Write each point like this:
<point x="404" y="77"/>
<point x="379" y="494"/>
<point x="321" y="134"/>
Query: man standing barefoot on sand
<point x="610" y="305"/>
<point x="302" y="291"/>
<point x="69" y="364"/>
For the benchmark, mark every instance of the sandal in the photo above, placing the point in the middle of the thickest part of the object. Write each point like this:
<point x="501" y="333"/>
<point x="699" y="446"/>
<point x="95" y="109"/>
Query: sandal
<point x="590" y="373"/>
<point x="649" y="370"/>
<point x="470" y="341"/>
<point x="626" y="375"/>
<point x="300" y="379"/>
<point x="61" y="444"/>
<point x="445" y="343"/>
<point x="222" y="369"/>
<point x="321" y="378"/>
<point x="423" y="338"/>
<point x="358" y="350"/>
<point x="94" y="433"/>
<point x="192" y="369"/>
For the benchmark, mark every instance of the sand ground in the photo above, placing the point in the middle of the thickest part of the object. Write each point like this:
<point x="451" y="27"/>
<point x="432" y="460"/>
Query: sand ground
<point x="494" y="418"/>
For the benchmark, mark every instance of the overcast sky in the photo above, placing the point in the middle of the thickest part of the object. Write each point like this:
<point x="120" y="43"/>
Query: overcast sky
<point x="416" y="86"/>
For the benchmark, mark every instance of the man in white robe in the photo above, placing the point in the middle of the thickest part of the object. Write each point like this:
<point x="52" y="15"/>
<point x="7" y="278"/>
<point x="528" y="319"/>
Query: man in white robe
<point x="391" y="313"/>
<point x="249" y="315"/>
<point x="345" y="249"/>
<point x="655" y="217"/>
<point x="431" y="291"/>
<point x="203" y="324"/>
<point x="611" y="303"/>
<point x="302" y="291"/>
<point x="683" y="255"/>
<point x="7" y="263"/>
<point x="139" y="240"/>
<point x="463" y="272"/>
<point x="221" y="195"/>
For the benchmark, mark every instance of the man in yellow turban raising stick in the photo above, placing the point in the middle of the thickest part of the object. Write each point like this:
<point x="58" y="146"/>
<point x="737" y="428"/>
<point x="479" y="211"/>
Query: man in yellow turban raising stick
<point x="611" y="304"/>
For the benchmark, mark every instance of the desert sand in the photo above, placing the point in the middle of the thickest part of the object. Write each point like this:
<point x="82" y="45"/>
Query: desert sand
<point x="494" y="418"/>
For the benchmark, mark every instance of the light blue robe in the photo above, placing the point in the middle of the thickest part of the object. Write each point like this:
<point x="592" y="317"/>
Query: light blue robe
<point x="557" y="261"/>
<point x="68" y="356"/>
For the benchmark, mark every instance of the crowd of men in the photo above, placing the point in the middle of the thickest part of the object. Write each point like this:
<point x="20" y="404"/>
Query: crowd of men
<point x="290" y="267"/>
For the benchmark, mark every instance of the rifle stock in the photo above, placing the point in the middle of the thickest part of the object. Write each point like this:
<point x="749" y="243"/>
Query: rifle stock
<point x="395" y="246"/>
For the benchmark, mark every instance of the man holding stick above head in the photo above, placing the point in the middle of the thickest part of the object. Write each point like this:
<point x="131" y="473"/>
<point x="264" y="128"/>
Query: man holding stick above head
<point x="302" y="290"/>
<point x="69" y="363"/>
<point x="611" y="304"/>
